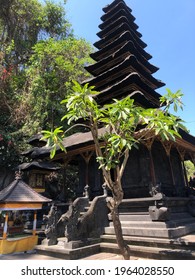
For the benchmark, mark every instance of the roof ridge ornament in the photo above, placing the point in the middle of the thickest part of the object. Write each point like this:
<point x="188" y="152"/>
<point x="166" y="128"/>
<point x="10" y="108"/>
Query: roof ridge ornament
<point x="18" y="175"/>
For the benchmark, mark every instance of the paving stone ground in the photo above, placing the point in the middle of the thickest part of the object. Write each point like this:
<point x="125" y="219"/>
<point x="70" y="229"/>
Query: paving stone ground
<point x="34" y="256"/>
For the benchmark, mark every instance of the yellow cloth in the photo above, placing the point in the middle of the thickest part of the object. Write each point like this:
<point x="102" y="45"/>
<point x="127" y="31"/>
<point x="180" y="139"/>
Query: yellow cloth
<point x="10" y="246"/>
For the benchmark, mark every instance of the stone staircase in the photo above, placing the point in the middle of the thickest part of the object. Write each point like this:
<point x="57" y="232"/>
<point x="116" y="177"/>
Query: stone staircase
<point x="179" y="225"/>
<point x="170" y="239"/>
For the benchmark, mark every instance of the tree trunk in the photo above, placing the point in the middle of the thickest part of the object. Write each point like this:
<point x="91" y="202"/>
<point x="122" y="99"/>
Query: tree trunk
<point x="117" y="192"/>
<point x="124" y="248"/>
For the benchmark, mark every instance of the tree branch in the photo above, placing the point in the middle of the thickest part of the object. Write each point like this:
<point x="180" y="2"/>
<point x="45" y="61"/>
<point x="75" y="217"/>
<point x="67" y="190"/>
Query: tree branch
<point x="106" y="174"/>
<point x="124" y="163"/>
<point x="77" y="125"/>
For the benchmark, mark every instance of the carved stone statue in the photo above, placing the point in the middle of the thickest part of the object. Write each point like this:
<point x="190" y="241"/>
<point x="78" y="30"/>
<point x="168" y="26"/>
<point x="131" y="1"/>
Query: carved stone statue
<point x="159" y="213"/>
<point x="51" y="222"/>
<point x="155" y="190"/>
<point x="69" y="222"/>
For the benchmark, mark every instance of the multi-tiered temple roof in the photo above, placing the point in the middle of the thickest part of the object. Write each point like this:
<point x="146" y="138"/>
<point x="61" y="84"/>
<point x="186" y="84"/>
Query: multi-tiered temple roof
<point x="122" y="65"/>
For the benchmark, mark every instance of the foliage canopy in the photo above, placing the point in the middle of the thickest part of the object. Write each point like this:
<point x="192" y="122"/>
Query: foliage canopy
<point x="39" y="56"/>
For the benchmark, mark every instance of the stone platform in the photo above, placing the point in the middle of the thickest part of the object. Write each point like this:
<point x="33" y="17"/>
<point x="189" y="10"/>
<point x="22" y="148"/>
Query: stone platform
<point x="173" y="238"/>
<point x="141" y="247"/>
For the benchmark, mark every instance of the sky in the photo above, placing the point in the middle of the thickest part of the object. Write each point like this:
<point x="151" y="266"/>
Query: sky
<point x="168" y="29"/>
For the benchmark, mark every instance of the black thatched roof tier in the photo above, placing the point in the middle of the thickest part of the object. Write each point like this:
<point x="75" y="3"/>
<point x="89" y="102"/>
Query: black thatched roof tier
<point x="122" y="52"/>
<point x="35" y="140"/>
<point x="113" y="4"/>
<point x="83" y="140"/>
<point x="122" y="69"/>
<point x="113" y="8"/>
<point x="35" y="165"/>
<point x="115" y="24"/>
<point x="126" y="86"/>
<point x="115" y="44"/>
<point x="115" y="33"/>
<point x="70" y="143"/>
<point x="117" y="15"/>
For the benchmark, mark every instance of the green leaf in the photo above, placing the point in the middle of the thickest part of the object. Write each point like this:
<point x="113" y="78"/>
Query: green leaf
<point x="53" y="151"/>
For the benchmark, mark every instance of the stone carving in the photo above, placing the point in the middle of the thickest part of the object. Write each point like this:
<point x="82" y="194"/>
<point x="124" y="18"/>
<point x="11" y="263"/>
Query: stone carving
<point x="69" y="223"/>
<point x="155" y="190"/>
<point x="82" y="220"/>
<point x="69" y="220"/>
<point x="51" y="222"/>
<point x="86" y="191"/>
<point x="159" y="214"/>
<point x="91" y="224"/>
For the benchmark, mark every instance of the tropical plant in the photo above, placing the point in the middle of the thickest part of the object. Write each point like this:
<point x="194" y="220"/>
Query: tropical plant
<point x="39" y="55"/>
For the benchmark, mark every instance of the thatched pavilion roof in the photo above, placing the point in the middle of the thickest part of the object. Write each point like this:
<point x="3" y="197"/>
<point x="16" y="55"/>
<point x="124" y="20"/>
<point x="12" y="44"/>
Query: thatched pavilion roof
<point x="20" y="196"/>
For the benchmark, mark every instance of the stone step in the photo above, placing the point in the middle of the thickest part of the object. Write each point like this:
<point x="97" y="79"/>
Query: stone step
<point x="154" y="232"/>
<point x="151" y="252"/>
<point x="144" y="216"/>
<point x="132" y="216"/>
<point x="155" y="224"/>
<point x="175" y="243"/>
<point x="180" y="215"/>
<point x="57" y="251"/>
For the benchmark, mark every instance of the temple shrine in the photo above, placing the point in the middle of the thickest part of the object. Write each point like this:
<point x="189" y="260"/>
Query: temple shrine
<point x="17" y="198"/>
<point x="158" y="205"/>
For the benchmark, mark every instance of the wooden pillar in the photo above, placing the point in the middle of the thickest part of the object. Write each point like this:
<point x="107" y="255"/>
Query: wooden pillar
<point x="148" y="144"/>
<point x="87" y="156"/>
<point x="152" y="170"/>
<point x="64" y="174"/>
<point x="182" y="152"/>
<point x="167" y="146"/>
<point x="5" y="226"/>
<point x="35" y="223"/>
<point x="185" y="174"/>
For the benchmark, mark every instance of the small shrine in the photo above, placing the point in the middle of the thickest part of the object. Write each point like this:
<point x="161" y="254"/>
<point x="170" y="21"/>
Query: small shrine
<point x="17" y="197"/>
<point x="36" y="172"/>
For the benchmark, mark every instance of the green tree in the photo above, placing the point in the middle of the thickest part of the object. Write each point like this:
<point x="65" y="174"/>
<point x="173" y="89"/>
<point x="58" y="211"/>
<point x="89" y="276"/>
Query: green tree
<point x="38" y="57"/>
<point x="23" y="23"/>
<point x="50" y="69"/>
<point x="126" y="125"/>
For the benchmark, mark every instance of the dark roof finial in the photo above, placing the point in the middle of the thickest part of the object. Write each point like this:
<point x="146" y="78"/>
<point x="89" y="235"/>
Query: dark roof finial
<point x="18" y="175"/>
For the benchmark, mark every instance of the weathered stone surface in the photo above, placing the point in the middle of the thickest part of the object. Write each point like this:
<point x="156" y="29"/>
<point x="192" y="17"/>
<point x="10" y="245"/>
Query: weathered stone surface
<point x="159" y="214"/>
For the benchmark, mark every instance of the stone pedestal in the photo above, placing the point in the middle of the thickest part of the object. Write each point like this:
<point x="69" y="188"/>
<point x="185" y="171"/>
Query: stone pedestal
<point x="49" y="242"/>
<point x="159" y="214"/>
<point x="63" y="242"/>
